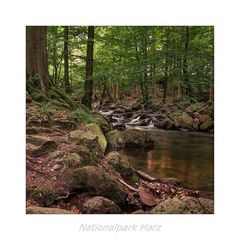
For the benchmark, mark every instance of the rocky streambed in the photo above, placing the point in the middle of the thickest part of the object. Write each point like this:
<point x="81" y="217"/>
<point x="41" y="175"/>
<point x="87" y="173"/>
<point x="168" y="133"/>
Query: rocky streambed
<point x="195" y="117"/>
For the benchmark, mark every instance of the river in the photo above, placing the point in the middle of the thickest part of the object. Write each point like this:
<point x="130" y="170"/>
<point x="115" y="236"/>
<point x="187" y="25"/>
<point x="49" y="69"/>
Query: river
<point x="188" y="156"/>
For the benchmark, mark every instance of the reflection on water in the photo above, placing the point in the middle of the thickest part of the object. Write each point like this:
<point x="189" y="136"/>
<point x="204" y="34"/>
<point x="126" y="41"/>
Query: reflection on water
<point x="186" y="156"/>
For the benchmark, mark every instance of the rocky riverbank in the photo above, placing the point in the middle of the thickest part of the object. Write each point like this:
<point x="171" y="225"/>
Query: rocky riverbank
<point x="74" y="167"/>
<point x="194" y="117"/>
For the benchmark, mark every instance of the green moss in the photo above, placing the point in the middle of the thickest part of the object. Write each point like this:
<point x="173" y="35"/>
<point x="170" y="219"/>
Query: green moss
<point x="44" y="196"/>
<point x="82" y="116"/>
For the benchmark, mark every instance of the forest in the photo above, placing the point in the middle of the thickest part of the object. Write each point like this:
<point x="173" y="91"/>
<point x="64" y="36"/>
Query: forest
<point x="119" y="119"/>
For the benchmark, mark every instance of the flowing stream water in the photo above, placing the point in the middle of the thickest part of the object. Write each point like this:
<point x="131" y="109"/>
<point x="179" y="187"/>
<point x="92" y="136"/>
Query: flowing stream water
<point x="188" y="156"/>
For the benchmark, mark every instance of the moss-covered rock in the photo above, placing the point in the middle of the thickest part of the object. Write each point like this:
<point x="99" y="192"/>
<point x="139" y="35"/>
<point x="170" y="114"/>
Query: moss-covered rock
<point x="206" y="125"/>
<point x="100" y="205"/>
<point x="184" y="205"/>
<point x="186" y="120"/>
<point x="195" y="124"/>
<point x="167" y="123"/>
<point x="97" y="131"/>
<point x="88" y="158"/>
<point x="174" y="115"/>
<point x="136" y="138"/>
<point x="115" y="139"/>
<point x="97" y="182"/>
<point x="195" y="107"/>
<point x="119" y="163"/>
<point x="103" y="122"/>
<point x="44" y="196"/>
<point x="91" y="137"/>
<point x="73" y="160"/>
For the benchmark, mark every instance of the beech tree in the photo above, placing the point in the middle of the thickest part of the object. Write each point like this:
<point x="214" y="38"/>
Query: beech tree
<point x="88" y="87"/>
<point x="36" y="57"/>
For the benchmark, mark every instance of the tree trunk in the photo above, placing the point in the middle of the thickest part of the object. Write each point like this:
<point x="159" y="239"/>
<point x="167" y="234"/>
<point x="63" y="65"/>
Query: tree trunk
<point x="66" y="63"/>
<point x="88" y="87"/>
<point x="185" y="61"/>
<point x="166" y="67"/>
<point x="144" y="83"/>
<point x="36" y="57"/>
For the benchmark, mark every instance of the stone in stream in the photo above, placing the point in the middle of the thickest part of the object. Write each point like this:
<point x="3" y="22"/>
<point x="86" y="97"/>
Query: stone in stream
<point x="195" y="124"/>
<point x="167" y="123"/>
<point x="97" y="182"/>
<point x="186" y="120"/>
<point x="206" y="122"/>
<point x="100" y="205"/>
<point x="184" y="205"/>
<point x="120" y="126"/>
<point x="136" y="106"/>
<point x="136" y="138"/>
<point x="127" y="115"/>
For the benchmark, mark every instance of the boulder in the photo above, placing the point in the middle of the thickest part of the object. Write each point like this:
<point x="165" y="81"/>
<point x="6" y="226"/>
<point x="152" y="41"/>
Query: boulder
<point x="44" y="196"/>
<point x="55" y="156"/>
<point x="136" y="106"/>
<point x="100" y="205"/>
<point x="195" y="107"/>
<point x="119" y="163"/>
<point x="127" y="115"/>
<point x="97" y="182"/>
<point x="120" y="126"/>
<point x="186" y="120"/>
<point x="73" y="160"/>
<point x="45" y="210"/>
<point x="184" y="205"/>
<point x="115" y="139"/>
<point x="174" y="115"/>
<point x="91" y="137"/>
<point x="144" y="122"/>
<point x="103" y="122"/>
<point x="195" y="124"/>
<point x="87" y="157"/>
<point x="206" y="122"/>
<point x="207" y="125"/>
<point x="204" y="118"/>
<point x="136" y="138"/>
<point x="167" y="123"/>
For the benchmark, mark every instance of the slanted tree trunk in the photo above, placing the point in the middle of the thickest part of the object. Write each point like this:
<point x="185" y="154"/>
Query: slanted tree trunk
<point x="66" y="63"/>
<point x="88" y="87"/>
<point x="36" y="57"/>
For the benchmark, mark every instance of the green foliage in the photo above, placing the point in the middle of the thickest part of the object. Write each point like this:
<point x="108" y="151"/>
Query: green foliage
<point x="142" y="57"/>
<point x="83" y="116"/>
